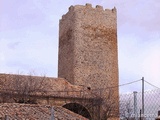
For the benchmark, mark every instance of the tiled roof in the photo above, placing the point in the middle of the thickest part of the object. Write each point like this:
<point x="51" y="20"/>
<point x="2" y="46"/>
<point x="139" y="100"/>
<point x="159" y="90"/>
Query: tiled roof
<point x="15" y="111"/>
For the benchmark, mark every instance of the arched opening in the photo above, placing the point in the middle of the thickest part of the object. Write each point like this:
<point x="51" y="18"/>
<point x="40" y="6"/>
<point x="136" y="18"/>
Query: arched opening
<point x="79" y="109"/>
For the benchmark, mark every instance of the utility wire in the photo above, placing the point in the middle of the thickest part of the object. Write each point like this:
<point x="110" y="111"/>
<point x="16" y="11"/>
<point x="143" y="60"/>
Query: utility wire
<point x="129" y="83"/>
<point x="120" y="85"/>
<point x="151" y="84"/>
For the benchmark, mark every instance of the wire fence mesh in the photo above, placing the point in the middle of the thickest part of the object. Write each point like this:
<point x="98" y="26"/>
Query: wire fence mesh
<point x="131" y="105"/>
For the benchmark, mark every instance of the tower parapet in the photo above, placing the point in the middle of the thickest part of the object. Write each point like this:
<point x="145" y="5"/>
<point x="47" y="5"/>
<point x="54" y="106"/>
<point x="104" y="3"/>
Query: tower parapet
<point x="88" y="6"/>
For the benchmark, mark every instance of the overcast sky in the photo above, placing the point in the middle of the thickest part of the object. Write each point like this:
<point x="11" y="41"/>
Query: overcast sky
<point x="29" y="37"/>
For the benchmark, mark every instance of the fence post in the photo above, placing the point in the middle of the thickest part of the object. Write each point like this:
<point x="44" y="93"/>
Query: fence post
<point x="142" y="96"/>
<point x="52" y="113"/>
<point x="140" y="115"/>
<point x="158" y="118"/>
<point x="135" y="105"/>
<point x="6" y="117"/>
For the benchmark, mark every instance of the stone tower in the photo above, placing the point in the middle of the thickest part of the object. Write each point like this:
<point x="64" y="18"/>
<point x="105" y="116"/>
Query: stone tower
<point x="88" y="47"/>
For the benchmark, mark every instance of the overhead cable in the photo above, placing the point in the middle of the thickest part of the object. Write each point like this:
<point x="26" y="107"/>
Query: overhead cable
<point x="151" y="84"/>
<point x="119" y="85"/>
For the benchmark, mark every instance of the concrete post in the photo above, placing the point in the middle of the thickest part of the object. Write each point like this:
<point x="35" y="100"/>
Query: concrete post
<point x="135" y="105"/>
<point x="52" y="113"/>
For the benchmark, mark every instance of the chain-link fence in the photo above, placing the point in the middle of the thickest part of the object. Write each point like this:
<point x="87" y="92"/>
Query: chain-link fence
<point x="131" y="105"/>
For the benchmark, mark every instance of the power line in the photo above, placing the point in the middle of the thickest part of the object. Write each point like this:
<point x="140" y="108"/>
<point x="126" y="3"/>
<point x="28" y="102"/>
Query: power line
<point x="130" y="83"/>
<point x="151" y="84"/>
<point x="120" y="85"/>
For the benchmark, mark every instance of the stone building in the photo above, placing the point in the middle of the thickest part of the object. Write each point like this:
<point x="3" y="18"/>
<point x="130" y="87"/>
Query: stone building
<point x="87" y="65"/>
<point x="88" y="48"/>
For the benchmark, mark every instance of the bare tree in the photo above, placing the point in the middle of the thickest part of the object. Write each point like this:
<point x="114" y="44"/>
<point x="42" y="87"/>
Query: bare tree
<point x="126" y="110"/>
<point x="110" y="104"/>
<point x="22" y="88"/>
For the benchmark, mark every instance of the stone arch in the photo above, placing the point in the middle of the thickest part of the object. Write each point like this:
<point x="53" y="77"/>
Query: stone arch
<point x="79" y="109"/>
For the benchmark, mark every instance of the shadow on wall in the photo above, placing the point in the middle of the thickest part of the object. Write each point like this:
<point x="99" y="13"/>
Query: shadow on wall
<point x="79" y="109"/>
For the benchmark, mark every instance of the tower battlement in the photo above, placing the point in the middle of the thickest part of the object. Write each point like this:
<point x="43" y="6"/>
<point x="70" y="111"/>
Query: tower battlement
<point x="88" y="7"/>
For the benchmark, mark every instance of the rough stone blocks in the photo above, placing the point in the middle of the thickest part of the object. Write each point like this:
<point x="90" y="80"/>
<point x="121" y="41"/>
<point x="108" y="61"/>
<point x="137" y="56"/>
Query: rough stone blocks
<point x="88" y="47"/>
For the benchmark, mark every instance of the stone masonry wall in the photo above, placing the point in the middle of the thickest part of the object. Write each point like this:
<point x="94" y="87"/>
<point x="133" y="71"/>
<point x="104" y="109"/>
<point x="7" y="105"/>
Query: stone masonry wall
<point x="88" y="47"/>
<point x="41" y="86"/>
<point x="66" y="47"/>
<point x="88" y="51"/>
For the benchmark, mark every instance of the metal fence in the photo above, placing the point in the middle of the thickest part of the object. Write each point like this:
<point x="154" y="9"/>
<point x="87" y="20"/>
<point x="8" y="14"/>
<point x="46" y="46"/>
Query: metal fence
<point x="131" y="105"/>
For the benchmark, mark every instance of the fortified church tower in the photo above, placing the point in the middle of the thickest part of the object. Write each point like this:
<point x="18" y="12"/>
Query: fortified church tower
<point x="88" y="47"/>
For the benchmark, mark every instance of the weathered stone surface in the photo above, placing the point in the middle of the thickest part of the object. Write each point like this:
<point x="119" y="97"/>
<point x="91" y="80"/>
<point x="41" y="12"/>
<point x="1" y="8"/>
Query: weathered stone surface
<point x="56" y="87"/>
<point x="88" y="47"/>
